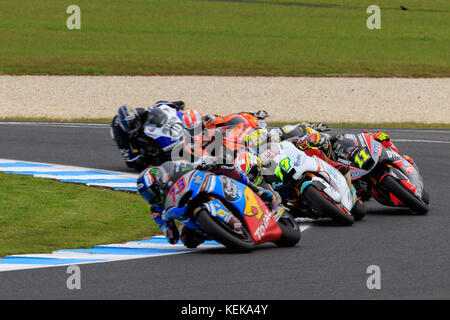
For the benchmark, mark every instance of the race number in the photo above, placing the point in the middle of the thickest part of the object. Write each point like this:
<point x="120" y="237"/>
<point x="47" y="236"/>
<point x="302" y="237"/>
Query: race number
<point x="361" y="158"/>
<point x="286" y="165"/>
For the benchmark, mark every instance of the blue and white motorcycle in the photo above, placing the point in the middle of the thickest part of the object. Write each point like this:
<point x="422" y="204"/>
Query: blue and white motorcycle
<point x="162" y="131"/>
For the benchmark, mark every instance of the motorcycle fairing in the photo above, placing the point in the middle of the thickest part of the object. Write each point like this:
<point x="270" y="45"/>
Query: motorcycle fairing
<point x="332" y="180"/>
<point x="217" y="209"/>
<point x="170" y="133"/>
<point x="262" y="226"/>
<point x="257" y="217"/>
<point x="403" y="171"/>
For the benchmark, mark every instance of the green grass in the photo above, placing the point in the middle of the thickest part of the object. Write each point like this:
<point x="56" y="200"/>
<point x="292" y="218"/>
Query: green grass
<point x="40" y="215"/>
<point x="229" y="38"/>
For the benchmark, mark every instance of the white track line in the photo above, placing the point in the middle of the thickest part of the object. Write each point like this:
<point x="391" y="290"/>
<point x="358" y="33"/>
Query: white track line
<point x="58" y="124"/>
<point x="427" y="141"/>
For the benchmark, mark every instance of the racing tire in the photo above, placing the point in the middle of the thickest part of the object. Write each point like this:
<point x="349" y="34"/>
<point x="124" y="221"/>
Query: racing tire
<point x="325" y="207"/>
<point x="221" y="235"/>
<point x="405" y="196"/>
<point x="290" y="231"/>
<point x="425" y="197"/>
<point x="359" y="211"/>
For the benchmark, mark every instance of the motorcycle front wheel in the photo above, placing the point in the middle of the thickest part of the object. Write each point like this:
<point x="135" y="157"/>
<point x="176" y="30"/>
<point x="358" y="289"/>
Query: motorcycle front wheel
<point x="405" y="196"/>
<point x="290" y="231"/>
<point x="359" y="210"/>
<point x="213" y="227"/>
<point x="326" y="207"/>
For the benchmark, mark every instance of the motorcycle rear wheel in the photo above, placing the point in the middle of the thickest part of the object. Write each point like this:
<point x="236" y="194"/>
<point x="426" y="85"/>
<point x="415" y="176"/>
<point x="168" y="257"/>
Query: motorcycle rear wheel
<point x="325" y="207"/>
<point x="223" y="236"/>
<point x="405" y="196"/>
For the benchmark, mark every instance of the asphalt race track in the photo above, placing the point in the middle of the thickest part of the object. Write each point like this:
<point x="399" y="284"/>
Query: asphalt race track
<point x="413" y="252"/>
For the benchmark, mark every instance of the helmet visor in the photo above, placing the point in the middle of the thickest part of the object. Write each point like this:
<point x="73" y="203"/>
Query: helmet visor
<point x="149" y="195"/>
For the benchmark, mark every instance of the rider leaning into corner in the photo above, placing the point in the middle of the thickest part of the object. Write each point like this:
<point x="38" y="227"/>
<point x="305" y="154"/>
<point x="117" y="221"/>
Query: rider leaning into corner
<point x="202" y="129"/>
<point x="127" y="124"/>
<point x="311" y="139"/>
<point x="303" y="137"/>
<point x="155" y="182"/>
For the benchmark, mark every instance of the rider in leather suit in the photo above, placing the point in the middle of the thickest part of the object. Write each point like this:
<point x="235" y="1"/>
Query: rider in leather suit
<point x="126" y="127"/>
<point x="154" y="184"/>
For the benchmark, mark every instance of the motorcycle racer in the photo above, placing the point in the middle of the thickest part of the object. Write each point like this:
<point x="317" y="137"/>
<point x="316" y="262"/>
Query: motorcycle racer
<point x="295" y="131"/>
<point x="338" y="154"/>
<point x="127" y="125"/>
<point x="154" y="184"/>
<point x="216" y="134"/>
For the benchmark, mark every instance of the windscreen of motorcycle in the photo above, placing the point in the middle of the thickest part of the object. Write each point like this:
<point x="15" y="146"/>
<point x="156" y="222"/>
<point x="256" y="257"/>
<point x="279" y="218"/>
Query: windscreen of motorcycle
<point x="167" y="134"/>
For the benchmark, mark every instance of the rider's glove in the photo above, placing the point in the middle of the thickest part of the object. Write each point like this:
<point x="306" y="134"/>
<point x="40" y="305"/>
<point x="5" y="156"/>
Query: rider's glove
<point x="171" y="232"/>
<point x="266" y="196"/>
<point x="130" y="155"/>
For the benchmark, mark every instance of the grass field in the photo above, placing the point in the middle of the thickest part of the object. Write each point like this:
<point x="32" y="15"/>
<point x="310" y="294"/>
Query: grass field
<point x="39" y="215"/>
<point x="263" y="37"/>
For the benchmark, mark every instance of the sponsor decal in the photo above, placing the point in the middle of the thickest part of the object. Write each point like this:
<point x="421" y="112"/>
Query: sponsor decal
<point x="376" y="149"/>
<point x="355" y="174"/>
<point x="390" y="154"/>
<point x="343" y="161"/>
<point x="254" y="211"/>
<point x="261" y="230"/>
<point x="277" y="185"/>
<point x="252" y="207"/>
<point x="297" y="160"/>
<point x="222" y="213"/>
<point x="230" y="189"/>
<point x="362" y="140"/>
<point x="172" y="127"/>
<point x="198" y="179"/>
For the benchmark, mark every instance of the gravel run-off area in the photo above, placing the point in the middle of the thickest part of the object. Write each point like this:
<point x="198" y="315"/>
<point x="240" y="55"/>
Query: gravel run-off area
<point x="327" y="99"/>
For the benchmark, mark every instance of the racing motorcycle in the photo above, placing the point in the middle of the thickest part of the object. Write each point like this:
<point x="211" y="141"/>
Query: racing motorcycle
<point x="224" y="137"/>
<point x="228" y="212"/>
<point x="382" y="173"/>
<point x="161" y="132"/>
<point x="310" y="186"/>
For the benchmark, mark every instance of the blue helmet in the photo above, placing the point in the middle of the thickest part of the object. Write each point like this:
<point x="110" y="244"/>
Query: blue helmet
<point x="127" y="118"/>
<point x="152" y="183"/>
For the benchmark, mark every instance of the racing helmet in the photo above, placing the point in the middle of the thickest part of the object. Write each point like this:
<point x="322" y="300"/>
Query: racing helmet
<point x="157" y="116"/>
<point x="210" y="120"/>
<point x="152" y="183"/>
<point x="250" y="165"/>
<point x="316" y="140"/>
<point x="192" y="121"/>
<point x="256" y="139"/>
<point x="127" y="118"/>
